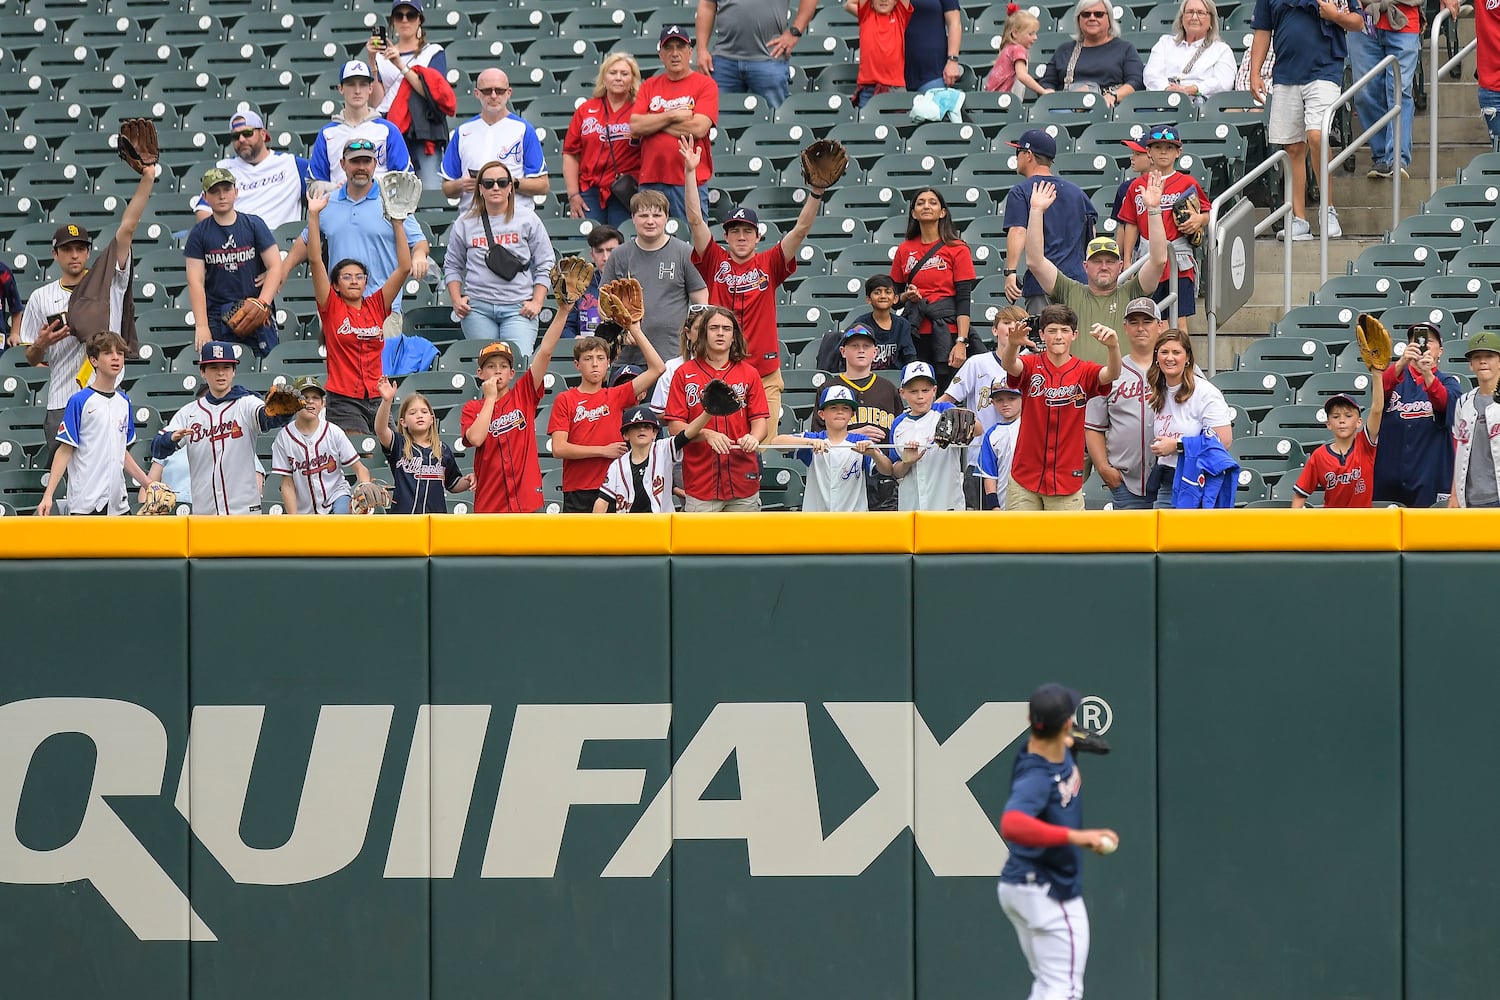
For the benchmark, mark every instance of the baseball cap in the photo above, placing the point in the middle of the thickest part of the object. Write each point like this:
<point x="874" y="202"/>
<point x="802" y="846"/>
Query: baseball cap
<point x="1430" y="329"/>
<point x="625" y="374"/>
<point x="1341" y="397"/>
<point x="1143" y="304"/>
<point x="302" y="383"/>
<point x="672" y="31"/>
<point x="70" y="233"/>
<point x="1485" y="341"/>
<point x="355" y="68"/>
<point x="1102" y="244"/>
<point x="1132" y="145"/>
<point x="1164" y="133"/>
<point x="215" y="176"/>
<point x="743" y="217"/>
<point x="245" y="119"/>
<point x="415" y="5"/>
<point x="637" y="415"/>
<point x="1052" y="707"/>
<point x="1001" y="385"/>
<point x="1036" y="141"/>
<point x="218" y="352"/>
<point x="490" y="350"/>
<point x="838" y="394"/>
<point x="917" y="369"/>
<point x="857" y="330"/>
<point x="358" y="148"/>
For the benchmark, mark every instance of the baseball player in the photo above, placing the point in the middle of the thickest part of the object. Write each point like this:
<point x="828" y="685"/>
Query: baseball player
<point x="310" y="455"/>
<point x="220" y="429"/>
<point x="1041" y="885"/>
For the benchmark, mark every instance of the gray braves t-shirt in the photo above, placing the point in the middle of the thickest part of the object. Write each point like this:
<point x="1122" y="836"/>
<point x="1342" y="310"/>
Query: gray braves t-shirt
<point x="743" y="28"/>
<point x="1479" y="491"/>
<point x="667" y="276"/>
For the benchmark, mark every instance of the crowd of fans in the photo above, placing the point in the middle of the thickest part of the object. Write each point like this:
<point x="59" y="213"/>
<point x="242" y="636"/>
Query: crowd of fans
<point x="1084" y="375"/>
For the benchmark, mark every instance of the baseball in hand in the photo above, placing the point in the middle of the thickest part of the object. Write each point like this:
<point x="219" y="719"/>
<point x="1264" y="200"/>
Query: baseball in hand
<point x="1107" y="845"/>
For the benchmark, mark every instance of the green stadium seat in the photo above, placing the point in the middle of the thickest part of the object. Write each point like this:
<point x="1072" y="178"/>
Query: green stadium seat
<point x="1487" y="318"/>
<point x="461" y="355"/>
<point x="50" y="184"/>
<point x="777" y="206"/>
<point x="1251" y="488"/>
<point x="989" y="112"/>
<point x="1316" y="390"/>
<point x="1090" y="171"/>
<point x="836" y="234"/>
<point x="1072" y="111"/>
<point x="341" y="26"/>
<point x="801" y="390"/>
<point x="1479" y="203"/>
<point x="56" y="63"/>
<point x="1330" y="325"/>
<point x="600" y="25"/>
<point x="892" y="109"/>
<point x="230" y="60"/>
<point x="1220" y="150"/>
<point x="1408" y="263"/>
<point x="739" y="112"/>
<point x="1482" y="169"/>
<point x="781" y="485"/>
<point x="13" y="456"/>
<point x="1001" y="146"/>
<point x="20" y="89"/>
<point x="907" y="172"/>
<point x="867" y="203"/>
<point x="1360" y="292"/>
<point x="1302" y="423"/>
<point x="966" y="202"/>
<point x="864" y="261"/>
<point x="104" y="33"/>
<point x="738" y="174"/>
<point x="955" y="144"/>
<point x="444" y="390"/>
<point x="434" y="323"/>
<point x="865" y="142"/>
<point x="308" y="62"/>
<point x="165" y="392"/>
<point x="1480" y="262"/>
<point x="778" y="143"/>
<point x="1236" y="107"/>
<point x="22" y="489"/>
<point x="840" y="78"/>
<point x="187" y="33"/>
<point x="821" y="112"/>
<point x="1445" y="232"/>
<point x="1271" y="456"/>
<point x="1460" y="294"/>
<point x="20" y="210"/>
<point x="1397" y="320"/>
<point x="1256" y="392"/>
<point x="182" y="90"/>
<point x="1294" y="360"/>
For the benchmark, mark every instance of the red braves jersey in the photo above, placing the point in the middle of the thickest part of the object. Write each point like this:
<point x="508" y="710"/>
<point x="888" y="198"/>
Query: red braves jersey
<point x="706" y="475"/>
<point x="354" y="339"/>
<point x="749" y="291"/>
<point x="661" y="159"/>
<point x="1050" y="448"/>
<point x="882" y="45"/>
<point x="1346" y="480"/>
<point x="1174" y="188"/>
<point x="591" y="419"/>
<point x="936" y="280"/>
<point x="591" y="133"/>
<point x="505" y="463"/>
<point x="1487" y="32"/>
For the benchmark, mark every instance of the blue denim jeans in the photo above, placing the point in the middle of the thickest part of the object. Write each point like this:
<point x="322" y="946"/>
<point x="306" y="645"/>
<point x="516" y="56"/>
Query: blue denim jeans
<point x="612" y="214"/>
<point x="1126" y="500"/>
<point x="1489" y="108"/>
<point x="677" y="208"/>
<point x="340" y="505"/>
<point x="1164" y="493"/>
<point x="493" y="321"/>
<point x="426" y="167"/>
<point x="766" y="77"/>
<point x="1376" y="100"/>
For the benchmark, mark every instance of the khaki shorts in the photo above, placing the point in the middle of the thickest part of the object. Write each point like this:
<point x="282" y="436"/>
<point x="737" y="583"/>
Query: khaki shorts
<point x="1018" y="497"/>
<point x="1297" y="109"/>
<point x="741" y="505"/>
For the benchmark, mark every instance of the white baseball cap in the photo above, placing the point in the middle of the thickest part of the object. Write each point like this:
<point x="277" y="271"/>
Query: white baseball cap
<point x="917" y="369"/>
<point x="354" y="68"/>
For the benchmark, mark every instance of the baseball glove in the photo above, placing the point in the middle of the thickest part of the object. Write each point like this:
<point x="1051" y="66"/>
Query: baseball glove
<point x="159" y="500"/>
<point x="1185" y="209"/>
<point x="137" y="144"/>
<point x="612" y="335"/>
<point x="823" y="163"/>
<point x="282" y="402"/>
<point x="1374" y="342"/>
<point x="399" y="193"/>
<point x="719" y="398"/>
<point x="247" y="318"/>
<point x="621" y="301"/>
<point x="571" y="277"/>
<point x="955" y="426"/>
<point x="368" y="496"/>
<point x="1089" y="743"/>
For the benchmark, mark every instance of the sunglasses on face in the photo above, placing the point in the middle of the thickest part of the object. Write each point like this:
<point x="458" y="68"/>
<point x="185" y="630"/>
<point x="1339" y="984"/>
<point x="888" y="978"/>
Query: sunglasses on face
<point x="405" y="14"/>
<point x="493" y="91"/>
<point x="1093" y="13"/>
<point x="248" y="133"/>
<point x="495" y="182"/>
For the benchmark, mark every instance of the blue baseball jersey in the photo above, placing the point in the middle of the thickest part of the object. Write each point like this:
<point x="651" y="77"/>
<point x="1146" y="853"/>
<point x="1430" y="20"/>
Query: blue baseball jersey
<point x="1415" y="451"/>
<point x="1051" y="793"/>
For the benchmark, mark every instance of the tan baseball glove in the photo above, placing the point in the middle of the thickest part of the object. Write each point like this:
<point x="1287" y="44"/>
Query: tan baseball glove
<point x="571" y="277"/>
<point x="248" y="318"/>
<point x="368" y="496"/>
<point x="400" y="191"/>
<point x="159" y="500"/>
<point x="823" y="163"/>
<point x="282" y="402"/>
<point x="1374" y="342"/>
<point x="137" y="144"/>
<point x="621" y="301"/>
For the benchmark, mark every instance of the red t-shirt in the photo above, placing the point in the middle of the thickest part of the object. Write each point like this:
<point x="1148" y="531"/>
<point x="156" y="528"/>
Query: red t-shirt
<point x="1050" y="447"/>
<point x="1413" y="20"/>
<point x="1175" y="188"/>
<point x="354" y="340"/>
<point x="1487" y="32"/>
<point x="706" y="475"/>
<point x="749" y="290"/>
<point x="661" y="160"/>
<point x="950" y="264"/>
<point x="591" y="419"/>
<point x="505" y="463"/>
<point x="882" y="46"/>
<point x="1346" y="480"/>
<point x="597" y="165"/>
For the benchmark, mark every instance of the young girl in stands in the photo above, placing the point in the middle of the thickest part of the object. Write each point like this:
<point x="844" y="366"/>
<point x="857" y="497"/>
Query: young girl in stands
<point x="1010" y="71"/>
<point x="420" y="466"/>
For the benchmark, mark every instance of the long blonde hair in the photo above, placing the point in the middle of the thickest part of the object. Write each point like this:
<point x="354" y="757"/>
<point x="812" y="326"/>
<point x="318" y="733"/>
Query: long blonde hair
<point x="437" y="439"/>
<point x="1158" y="382"/>
<point x="1016" y="23"/>
<point x="479" y="206"/>
<point x="635" y="74"/>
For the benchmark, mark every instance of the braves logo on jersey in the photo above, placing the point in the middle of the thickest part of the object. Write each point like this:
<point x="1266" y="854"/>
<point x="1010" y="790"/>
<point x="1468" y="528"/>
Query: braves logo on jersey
<point x="693" y="392"/>
<point x="1353" y="477"/>
<point x="514" y="420"/>
<point x="1069" y="787"/>
<point x="226" y="431"/>
<point x="753" y="280"/>
<point x="315" y="465"/>
<point x="1056" y="395"/>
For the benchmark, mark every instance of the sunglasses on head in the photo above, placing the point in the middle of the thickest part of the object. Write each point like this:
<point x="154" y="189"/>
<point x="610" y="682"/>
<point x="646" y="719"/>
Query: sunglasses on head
<point x="698" y="307"/>
<point x="358" y="146"/>
<point x="495" y="182"/>
<point x="1164" y="135"/>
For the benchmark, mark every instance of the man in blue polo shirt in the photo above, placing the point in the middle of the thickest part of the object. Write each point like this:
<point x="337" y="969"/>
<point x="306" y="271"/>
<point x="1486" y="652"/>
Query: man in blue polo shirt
<point x="354" y="226"/>
<point x="1070" y="221"/>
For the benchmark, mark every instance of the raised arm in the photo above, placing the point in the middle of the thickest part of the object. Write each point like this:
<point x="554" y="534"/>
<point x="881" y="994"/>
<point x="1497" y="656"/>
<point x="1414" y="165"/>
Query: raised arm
<point x="392" y="286"/>
<point x="697" y="227"/>
<point x="315" y="205"/>
<point x="1043" y="195"/>
<point x="134" y="210"/>
<point x="1157" y="247"/>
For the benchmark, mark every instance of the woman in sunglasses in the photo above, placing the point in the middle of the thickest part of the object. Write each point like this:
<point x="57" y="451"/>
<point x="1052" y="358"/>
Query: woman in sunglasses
<point x="410" y="87"/>
<point x="498" y="265"/>
<point x="1097" y="59"/>
<point x="1192" y="60"/>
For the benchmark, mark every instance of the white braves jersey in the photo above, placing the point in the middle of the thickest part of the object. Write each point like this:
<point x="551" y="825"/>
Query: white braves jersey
<point x="998" y="448"/>
<point x="479" y="142"/>
<point x="664" y="385"/>
<point x="315" y="463"/>
<point x="221" y="452"/>
<point x="935" y="482"/>
<point x="100" y="427"/>
<point x="971" y="389"/>
<point x="65" y="357"/>
<point x="328" y="149"/>
<point x="836" y="478"/>
<point x="619" y="481"/>
<point x="271" y="189"/>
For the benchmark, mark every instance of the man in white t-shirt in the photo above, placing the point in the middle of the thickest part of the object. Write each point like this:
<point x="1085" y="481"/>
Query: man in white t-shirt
<point x="271" y="185"/>
<point x="496" y="133"/>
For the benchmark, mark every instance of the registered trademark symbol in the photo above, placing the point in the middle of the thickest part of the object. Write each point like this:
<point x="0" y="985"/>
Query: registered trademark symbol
<point x="1095" y="715"/>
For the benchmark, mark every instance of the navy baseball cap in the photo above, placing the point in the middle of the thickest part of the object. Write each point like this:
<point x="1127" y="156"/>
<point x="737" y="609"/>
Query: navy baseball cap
<point x="857" y="330"/>
<point x="1037" y="141"/>
<point x="218" y="352"/>
<point x="1051" y="707"/>
<point x="638" y="416"/>
<point x="743" y="217"/>
<point x="625" y="374"/>
<point x="1164" y="133"/>
<point x="1342" y="397"/>
<point x="672" y="31"/>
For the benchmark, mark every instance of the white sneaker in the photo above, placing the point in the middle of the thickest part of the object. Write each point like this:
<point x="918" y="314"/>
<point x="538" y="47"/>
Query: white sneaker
<point x="1301" y="229"/>
<point x="1331" y="227"/>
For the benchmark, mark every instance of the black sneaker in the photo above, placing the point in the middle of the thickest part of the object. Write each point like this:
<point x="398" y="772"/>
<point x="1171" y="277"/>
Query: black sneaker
<point x="1380" y="172"/>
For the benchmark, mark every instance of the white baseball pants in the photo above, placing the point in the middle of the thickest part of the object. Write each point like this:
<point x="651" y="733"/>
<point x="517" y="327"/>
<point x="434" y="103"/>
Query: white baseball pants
<point x="1054" y="938"/>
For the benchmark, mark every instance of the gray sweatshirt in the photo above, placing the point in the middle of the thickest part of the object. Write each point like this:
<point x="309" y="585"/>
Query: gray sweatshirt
<point x="524" y="236"/>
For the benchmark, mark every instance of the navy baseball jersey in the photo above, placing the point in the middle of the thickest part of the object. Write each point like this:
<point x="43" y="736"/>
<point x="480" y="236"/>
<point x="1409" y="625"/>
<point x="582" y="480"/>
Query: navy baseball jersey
<point x="1049" y="792"/>
<point x="1415" y="454"/>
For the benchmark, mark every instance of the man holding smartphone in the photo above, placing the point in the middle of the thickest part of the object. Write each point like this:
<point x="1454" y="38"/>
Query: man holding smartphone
<point x="1414" y="454"/>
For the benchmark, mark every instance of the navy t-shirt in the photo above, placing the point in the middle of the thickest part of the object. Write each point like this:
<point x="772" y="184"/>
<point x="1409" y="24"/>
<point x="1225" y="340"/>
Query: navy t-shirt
<point x="231" y="257"/>
<point x="1069" y="225"/>
<point x="1307" y="47"/>
<point x="927" y="41"/>
<point x="1051" y="793"/>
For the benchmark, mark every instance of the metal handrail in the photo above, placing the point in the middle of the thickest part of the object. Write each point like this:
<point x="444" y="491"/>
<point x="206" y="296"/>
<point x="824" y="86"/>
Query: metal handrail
<point x="1277" y="158"/>
<point x="1170" y="299"/>
<point x="1433" y="79"/>
<point x="1393" y="116"/>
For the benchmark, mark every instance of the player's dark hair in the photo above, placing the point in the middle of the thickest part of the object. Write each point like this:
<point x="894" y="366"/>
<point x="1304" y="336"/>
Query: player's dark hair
<point x="346" y="262"/>
<point x="877" y="282"/>
<point x="600" y="235"/>
<point x="1058" y="313"/>
<point x="947" y="232"/>
<point x="107" y="340"/>
<point x="1157" y="382"/>
<point x="692" y="328"/>
<point x="738" y="349"/>
<point x="1344" y="403"/>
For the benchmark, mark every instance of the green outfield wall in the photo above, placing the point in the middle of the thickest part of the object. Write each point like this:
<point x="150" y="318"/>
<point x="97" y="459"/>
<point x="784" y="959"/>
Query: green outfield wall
<point x="714" y="777"/>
